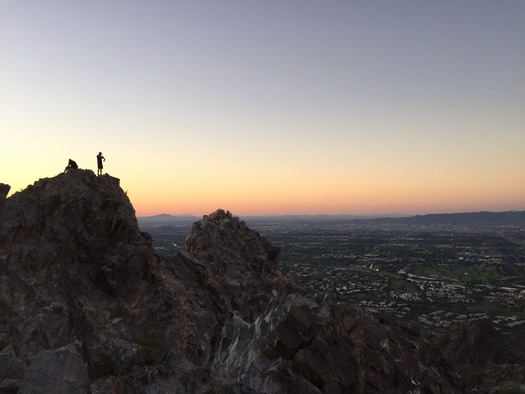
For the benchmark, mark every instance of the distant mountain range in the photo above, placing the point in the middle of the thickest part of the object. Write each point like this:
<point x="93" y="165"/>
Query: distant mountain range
<point x="508" y="218"/>
<point x="484" y="217"/>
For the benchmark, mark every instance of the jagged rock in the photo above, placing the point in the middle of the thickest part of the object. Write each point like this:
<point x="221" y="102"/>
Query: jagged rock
<point x="4" y="191"/>
<point x="221" y="236"/>
<point x="217" y="317"/>
<point x="57" y="371"/>
<point x="477" y="343"/>
<point x="242" y="263"/>
<point x="12" y="371"/>
<point x="70" y="254"/>
<point x="482" y="354"/>
<point x="74" y="266"/>
<point x="301" y="345"/>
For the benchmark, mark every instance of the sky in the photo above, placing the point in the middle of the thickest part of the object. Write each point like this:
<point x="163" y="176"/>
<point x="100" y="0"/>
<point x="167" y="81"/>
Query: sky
<point x="270" y="107"/>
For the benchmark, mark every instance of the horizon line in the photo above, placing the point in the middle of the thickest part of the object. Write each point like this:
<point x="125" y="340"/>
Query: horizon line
<point x="372" y="215"/>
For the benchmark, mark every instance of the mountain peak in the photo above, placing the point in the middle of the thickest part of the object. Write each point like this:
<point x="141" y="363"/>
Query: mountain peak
<point x="75" y="215"/>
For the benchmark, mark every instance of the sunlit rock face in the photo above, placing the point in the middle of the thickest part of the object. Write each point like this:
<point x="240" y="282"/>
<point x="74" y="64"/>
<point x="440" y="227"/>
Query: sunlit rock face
<point x="86" y="305"/>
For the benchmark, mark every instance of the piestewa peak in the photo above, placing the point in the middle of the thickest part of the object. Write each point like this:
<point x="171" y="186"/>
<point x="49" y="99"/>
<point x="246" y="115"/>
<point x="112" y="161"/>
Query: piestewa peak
<point x="87" y="306"/>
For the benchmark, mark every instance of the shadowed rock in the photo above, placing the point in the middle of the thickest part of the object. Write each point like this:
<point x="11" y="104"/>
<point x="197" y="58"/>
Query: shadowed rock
<point x="57" y="371"/>
<point x="4" y="191"/>
<point x="12" y="371"/>
<point x="477" y="343"/>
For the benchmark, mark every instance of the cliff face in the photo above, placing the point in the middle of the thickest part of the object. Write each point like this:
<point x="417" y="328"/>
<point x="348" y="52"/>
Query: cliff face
<point x="87" y="306"/>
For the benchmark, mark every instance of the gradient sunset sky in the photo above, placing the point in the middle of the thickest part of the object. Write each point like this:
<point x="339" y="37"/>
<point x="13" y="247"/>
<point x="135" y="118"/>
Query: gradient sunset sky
<point x="271" y="107"/>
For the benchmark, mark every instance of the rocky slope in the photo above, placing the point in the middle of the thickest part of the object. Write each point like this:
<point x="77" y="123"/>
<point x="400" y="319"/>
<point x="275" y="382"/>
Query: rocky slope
<point x="86" y="306"/>
<point x="483" y="355"/>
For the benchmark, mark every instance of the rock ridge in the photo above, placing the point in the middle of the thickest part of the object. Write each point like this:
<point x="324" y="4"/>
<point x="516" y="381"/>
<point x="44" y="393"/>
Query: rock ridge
<point x="87" y="306"/>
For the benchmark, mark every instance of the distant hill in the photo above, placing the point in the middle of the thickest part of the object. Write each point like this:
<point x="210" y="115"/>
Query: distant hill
<point x="480" y="218"/>
<point x="166" y="220"/>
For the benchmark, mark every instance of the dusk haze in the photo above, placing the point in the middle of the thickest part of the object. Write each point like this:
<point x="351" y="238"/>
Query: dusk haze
<point x="270" y="107"/>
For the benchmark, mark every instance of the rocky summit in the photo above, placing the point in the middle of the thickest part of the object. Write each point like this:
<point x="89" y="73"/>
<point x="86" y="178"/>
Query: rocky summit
<point x="87" y="306"/>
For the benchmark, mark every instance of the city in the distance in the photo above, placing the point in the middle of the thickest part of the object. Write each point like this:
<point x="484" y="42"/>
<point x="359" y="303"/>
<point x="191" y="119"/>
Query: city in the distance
<point x="438" y="270"/>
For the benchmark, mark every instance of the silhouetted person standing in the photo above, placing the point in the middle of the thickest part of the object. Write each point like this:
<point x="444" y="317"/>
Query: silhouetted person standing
<point x="71" y="164"/>
<point x="100" y="158"/>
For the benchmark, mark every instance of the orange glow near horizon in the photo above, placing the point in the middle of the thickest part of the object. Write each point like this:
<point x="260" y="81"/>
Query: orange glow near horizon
<point x="307" y="195"/>
<point x="359" y="202"/>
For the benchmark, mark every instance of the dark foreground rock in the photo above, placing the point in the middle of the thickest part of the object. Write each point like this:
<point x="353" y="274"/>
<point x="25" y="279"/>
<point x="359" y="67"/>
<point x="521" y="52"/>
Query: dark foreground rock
<point x="86" y="305"/>
<point x="12" y="371"/>
<point x="4" y="190"/>
<point x="57" y="371"/>
<point x="483" y="355"/>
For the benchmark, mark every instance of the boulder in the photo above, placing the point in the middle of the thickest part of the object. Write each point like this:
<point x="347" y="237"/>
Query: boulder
<point x="57" y="371"/>
<point x="12" y="371"/>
